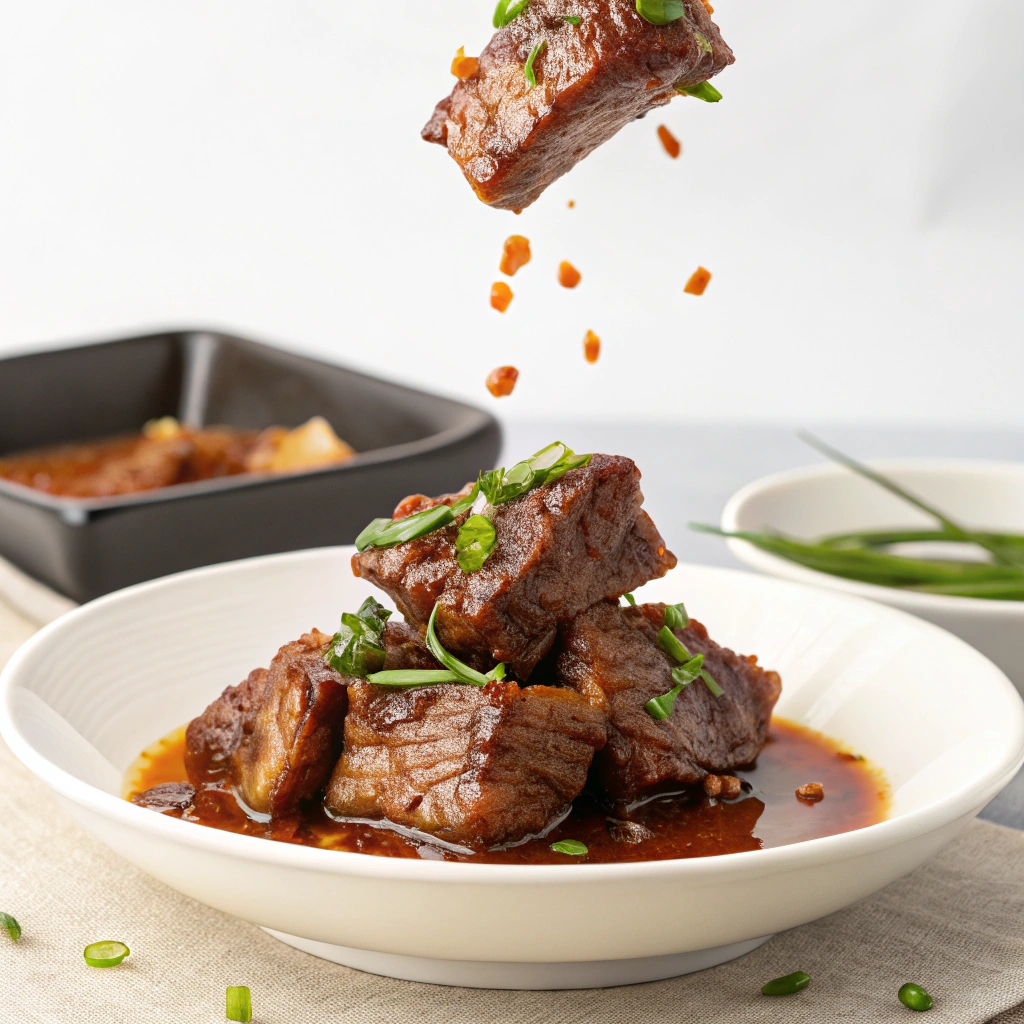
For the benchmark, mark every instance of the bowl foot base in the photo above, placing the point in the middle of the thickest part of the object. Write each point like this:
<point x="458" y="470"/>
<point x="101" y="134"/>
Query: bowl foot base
<point x="482" y="974"/>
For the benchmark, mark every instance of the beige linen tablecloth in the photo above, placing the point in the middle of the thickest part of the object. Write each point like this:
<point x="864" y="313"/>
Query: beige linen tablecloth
<point x="955" y="926"/>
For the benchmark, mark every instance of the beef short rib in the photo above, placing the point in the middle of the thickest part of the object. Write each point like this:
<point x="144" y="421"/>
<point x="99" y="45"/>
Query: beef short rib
<point x="512" y="140"/>
<point x="612" y="656"/>
<point x="474" y="766"/>
<point x="560" y="548"/>
<point x="276" y="736"/>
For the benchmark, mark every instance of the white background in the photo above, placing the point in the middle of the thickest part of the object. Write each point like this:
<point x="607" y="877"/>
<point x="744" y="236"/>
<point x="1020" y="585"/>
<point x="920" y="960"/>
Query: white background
<point x="858" y="195"/>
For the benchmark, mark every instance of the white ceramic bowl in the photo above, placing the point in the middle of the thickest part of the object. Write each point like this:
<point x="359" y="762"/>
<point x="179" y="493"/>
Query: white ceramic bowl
<point x="819" y="500"/>
<point x="84" y="696"/>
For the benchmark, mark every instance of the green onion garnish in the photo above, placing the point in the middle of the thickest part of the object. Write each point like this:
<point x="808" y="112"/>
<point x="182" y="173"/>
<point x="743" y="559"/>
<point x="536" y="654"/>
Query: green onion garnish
<point x="630" y="600"/>
<point x="384" y="533"/>
<point x="660" y="12"/>
<point x="12" y="927"/>
<point x="672" y="645"/>
<point x="676" y="617"/>
<point x="572" y="19"/>
<point x="239" y="1003"/>
<point x="474" y="543"/>
<point x="702" y="42"/>
<point x="105" y="954"/>
<point x="531" y="76"/>
<point x="358" y="647"/>
<point x="682" y="675"/>
<point x="709" y="682"/>
<point x="702" y="90"/>
<point x="463" y="673"/>
<point x="570" y="847"/>
<point x="787" y="985"/>
<point x="412" y="677"/>
<point x="503" y="13"/>
<point x="544" y="467"/>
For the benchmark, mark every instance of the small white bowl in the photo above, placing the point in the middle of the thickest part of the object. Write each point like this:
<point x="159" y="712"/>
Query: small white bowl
<point x="819" y="500"/>
<point x="85" y="695"/>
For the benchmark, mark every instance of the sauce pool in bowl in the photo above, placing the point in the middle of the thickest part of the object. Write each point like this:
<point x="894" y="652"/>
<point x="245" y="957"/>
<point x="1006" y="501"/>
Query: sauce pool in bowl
<point x="766" y="814"/>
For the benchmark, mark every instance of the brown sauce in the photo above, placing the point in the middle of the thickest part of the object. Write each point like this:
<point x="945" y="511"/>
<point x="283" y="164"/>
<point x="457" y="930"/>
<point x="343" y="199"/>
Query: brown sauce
<point x="767" y="813"/>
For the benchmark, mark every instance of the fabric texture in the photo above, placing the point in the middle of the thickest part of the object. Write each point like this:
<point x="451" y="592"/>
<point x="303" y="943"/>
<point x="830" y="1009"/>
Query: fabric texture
<point x="955" y="926"/>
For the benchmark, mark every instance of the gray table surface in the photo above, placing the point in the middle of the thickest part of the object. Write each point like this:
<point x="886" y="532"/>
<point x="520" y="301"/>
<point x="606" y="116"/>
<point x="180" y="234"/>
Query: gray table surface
<point x="690" y="471"/>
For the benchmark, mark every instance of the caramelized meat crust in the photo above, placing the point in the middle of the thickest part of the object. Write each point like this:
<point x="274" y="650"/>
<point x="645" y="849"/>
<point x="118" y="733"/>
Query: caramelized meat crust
<point x="275" y="736"/>
<point x="167" y="796"/>
<point x="512" y="140"/>
<point x="611" y="655"/>
<point x="560" y="548"/>
<point x="474" y="766"/>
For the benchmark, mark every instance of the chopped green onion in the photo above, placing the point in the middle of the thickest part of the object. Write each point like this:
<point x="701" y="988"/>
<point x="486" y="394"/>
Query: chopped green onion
<point x="358" y="647"/>
<point x="463" y="672"/>
<point x="572" y="19"/>
<point x="531" y="75"/>
<point x="503" y="13"/>
<point x="630" y="600"/>
<point x="672" y="645"/>
<point x="12" y="927"/>
<point x="682" y="675"/>
<point x="474" y="543"/>
<point x="239" y="1003"/>
<point x="570" y="847"/>
<point x="702" y="91"/>
<point x="702" y="42"/>
<point x="385" y="533"/>
<point x="709" y="682"/>
<point x="660" y="12"/>
<point x="105" y="954"/>
<point x="544" y="467"/>
<point x="676" y="617"/>
<point x="786" y="985"/>
<point x="412" y="677"/>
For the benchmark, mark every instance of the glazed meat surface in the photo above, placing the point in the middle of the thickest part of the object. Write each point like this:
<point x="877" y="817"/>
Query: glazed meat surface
<point x="560" y="548"/>
<point x="611" y="655"/>
<point x="276" y="736"/>
<point x="478" y="767"/>
<point x="512" y="140"/>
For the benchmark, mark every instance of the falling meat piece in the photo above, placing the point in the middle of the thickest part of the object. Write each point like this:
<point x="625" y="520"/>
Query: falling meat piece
<point x="612" y="656"/>
<point x="560" y="548"/>
<point x="473" y="766"/>
<point x="669" y="142"/>
<point x="699" y="280"/>
<point x="501" y="296"/>
<point x="512" y="140"/>
<point x="515" y="254"/>
<point x="568" y="275"/>
<point x="501" y="382"/>
<point x="591" y="347"/>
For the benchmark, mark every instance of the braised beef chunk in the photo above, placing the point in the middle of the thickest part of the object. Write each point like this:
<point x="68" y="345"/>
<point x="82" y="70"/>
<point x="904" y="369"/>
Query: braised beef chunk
<point x="405" y="648"/>
<point x="474" y="766"/>
<point x="560" y="548"/>
<point x="275" y="736"/>
<point x="612" y="656"/>
<point x="168" y="796"/>
<point x="512" y="140"/>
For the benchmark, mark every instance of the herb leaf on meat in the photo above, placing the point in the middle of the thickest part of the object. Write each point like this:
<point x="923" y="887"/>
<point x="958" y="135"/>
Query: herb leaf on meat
<point x="702" y="91"/>
<point x="474" y="543"/>
<point x="544" y="467"/>
<point x="357" y="649"/>
<point x="660" y="12"/>
<point x="507" y="12"/>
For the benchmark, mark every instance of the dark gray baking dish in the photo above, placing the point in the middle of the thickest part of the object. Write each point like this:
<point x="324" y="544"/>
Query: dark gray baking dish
<point x="408" y="441"/>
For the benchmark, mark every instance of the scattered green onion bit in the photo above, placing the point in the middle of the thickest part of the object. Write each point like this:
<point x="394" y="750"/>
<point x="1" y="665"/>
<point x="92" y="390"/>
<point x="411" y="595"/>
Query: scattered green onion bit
<point x="711" y="683"/>
<point x="357" y="649"/>
<point x="630" y="600"/>
<point x="570" y="847"/>
<point x="474" y="543"/>
<point x="660" y="12"/>
<point x="702" y="42"/>
<point x="661" y="707"/>
<point x="676" y="617"/>
<point x="702" y="91"/>
<point x="914" y="997"/>
<point x="531" y="75"/>
<point x="105" y="954"/>
<point x="504" y="13"/>
<point x="12" y="927"/>
<point x="385" y="533"/>
<point x="544" y="467"/>
<point x="239" y="1003"/>
<point x="573" y="19"/>
<point x="787" y="985"/>
<point x="462" y="672"/>
<point x="672" y="645"/>
<point x="412" y="677"/>
<point x="689" y="668"/>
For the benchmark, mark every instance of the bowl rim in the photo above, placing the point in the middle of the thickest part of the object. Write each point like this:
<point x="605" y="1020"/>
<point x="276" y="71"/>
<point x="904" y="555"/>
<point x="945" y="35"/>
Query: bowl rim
<point x="963" y="801"/>
<point x="909" y="600"/>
